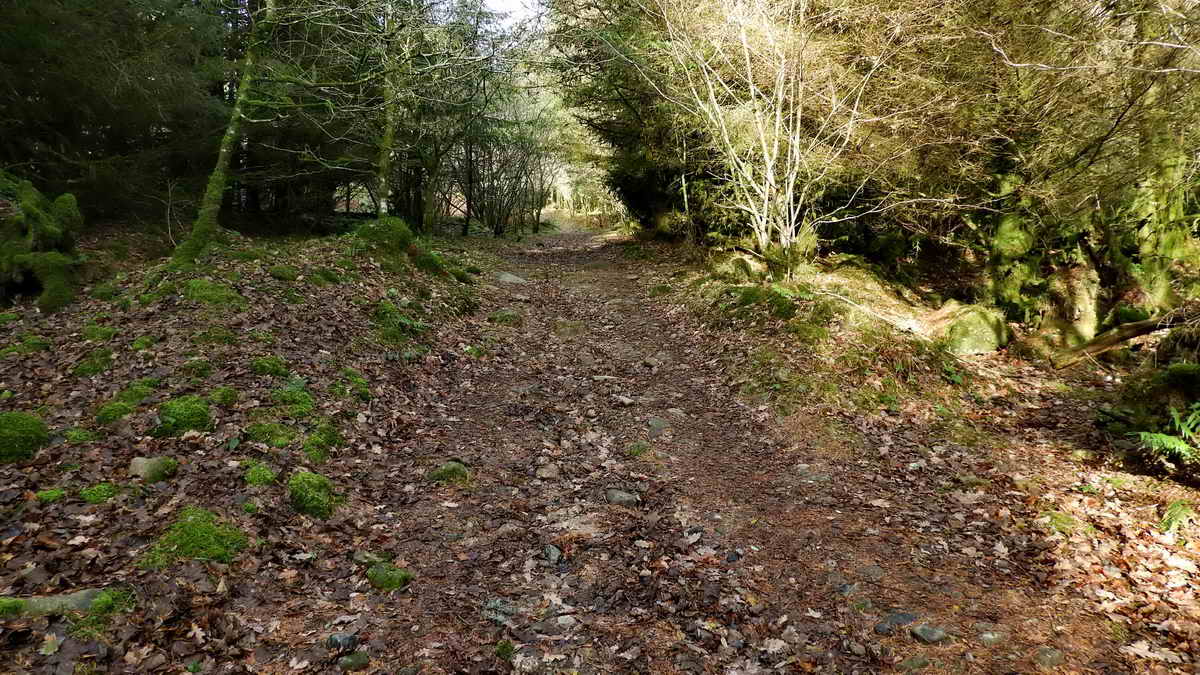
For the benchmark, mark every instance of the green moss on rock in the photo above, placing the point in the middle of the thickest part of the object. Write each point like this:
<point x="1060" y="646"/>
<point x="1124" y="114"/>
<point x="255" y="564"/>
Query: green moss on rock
<point x="295" y="399"/>
<point x="450" y="472"/>
<point x="269" y="365"/>
<point x="223" y="396"/>
<point x="51" y="495"/>
<point x="98" y="333"/>
<point x="186" y="413"/>
<point x="312" y="494"/>
<point x="389" y="236"/>
<point x="386" y="577"/>
<point x="973" y="329"/>
<point x="21" y="436"/>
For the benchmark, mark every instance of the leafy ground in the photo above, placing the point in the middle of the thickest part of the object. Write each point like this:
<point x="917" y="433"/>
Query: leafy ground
<point x="661" y="475"/>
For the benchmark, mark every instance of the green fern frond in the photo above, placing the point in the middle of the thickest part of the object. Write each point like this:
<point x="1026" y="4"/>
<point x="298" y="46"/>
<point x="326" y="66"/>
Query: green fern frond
<point x="1178" y="515"/>
<point x="1166" y="446"/>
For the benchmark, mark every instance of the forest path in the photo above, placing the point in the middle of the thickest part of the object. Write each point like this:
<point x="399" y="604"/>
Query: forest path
<point x="633" y="513"/>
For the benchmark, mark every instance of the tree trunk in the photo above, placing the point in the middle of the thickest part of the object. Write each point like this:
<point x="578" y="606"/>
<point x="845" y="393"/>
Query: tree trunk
<point x="206" y="226"/>
<point x="384" y="162"/>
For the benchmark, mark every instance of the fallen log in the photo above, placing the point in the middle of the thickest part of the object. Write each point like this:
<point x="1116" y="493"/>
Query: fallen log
<point x="1114" y="338"/>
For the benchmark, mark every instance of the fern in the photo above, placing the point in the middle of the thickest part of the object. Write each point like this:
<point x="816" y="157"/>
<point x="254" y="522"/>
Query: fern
<point x="1178" y="515"/>
<point x="1180" y="445"/>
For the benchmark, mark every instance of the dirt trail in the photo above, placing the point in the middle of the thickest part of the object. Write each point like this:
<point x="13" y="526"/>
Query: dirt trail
<point x="753" y="544"/>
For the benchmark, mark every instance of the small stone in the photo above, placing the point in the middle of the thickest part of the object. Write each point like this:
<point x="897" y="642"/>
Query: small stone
<point x="554" y="625"/>
<point x="341" y="642"/>
<point x="734" y="639"/>
<point x="1048" y="657"/>
<point x="352" y="662"/>
<point x="928" y="634"/>
<point x="914" y="663"/>
<point x="621" y="497"/>
<point x="152" y="469"/>
<point x="991" y="638"/>
<point x="506" y="278"/>
<point x="846" y="590"/>
<point x="872" y="573"/>
<point x="858" y="649"/>
<point x="548" y="471"/>
<point x="552" y="553"/>
<point x="625" y="400"/>
<point x="657" y="426"/>
<point x="894" y="620"/>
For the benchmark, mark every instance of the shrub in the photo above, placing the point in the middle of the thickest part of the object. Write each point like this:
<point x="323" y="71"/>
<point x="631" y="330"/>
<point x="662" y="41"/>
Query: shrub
<point x="98" y="493"/>
<point x="387" y="577"/>
<point x="111" y="412"/>
<point x="311" y="493"/>
<point x="21" y="436"/>
<point x="258" y="473"/>
<point x="196" y="535"/>
<point x="269" y="365"/>
<point x="186" y="413"/>
<point x="97" y="361"/>
<point x="1179" y="447"/>
<point x="284" y="272"/>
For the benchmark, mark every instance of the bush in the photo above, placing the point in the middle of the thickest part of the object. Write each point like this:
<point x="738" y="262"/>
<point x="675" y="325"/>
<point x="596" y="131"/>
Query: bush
<point x="21" y="436"/>
<point x="186" y="413"/>
<point x="269" y="365"/>
<point x="196" y="535"/>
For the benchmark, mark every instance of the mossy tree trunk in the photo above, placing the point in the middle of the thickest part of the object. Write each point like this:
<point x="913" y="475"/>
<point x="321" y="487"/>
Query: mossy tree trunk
<point x="205" y="229"/>
<point x="1158" y="205"/>
<point x="1011" y="269"/>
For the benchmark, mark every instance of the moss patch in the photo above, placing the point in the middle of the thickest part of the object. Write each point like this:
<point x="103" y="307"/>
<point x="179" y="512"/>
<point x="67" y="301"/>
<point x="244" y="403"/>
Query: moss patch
<point x="271" y="433"/>
<point x="92" y="624"/>
<point x="79" y="435"/>
<point x="29" y="344"/>
<point x="505" y="317"/>
<point x="258" y="473"/>
<point x="50" y="496"/>
<point x="212" y="293"/>
<point x="295" y="399"/>
<point x="217" y="335"/>
<point x="389" y="236"/>
<point x="387" y="577"/>
<point x="8" y="317"/>
<point x="196" y="535"/>
<point x="97" y="333"/>
<point x="321" y="441"/>
<point x="312" y="494"/>
<point x="11" y="606"/>
<point x="450" y="472"/>
<point x="113" y="411"/>
<point x="186" y="413"/>
<point x="198" y="368"/>
<point x="21" y="436"/>
<point x="284" y="272"/>
<point x="142" y="343"/>
<point x="269" y="365"/>
<point x="98" y="493"/>
<point x="223" y="396"/>
<point x="97" y="361"/>
<point x="394" y="326"/>
<point x="352" y="383"/>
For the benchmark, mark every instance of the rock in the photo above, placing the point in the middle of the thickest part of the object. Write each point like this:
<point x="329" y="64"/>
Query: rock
<point x="971" y="329"/>
<point x="506" y="278"/>
<point x="555" y="625"/>
<point x="928" y="634"/>
<point x="734" y="639"/>
<point x="872" y="573"/>
<point x="625" y="400"/>
<point x="369" y="558"/>
<point x="355" y="661"/>
<point x="552" y="553"/>
<point x="548" y="471"/>
<point x="341" y="642"/>
<point x="991" y="638"/>
<point x="858" y="649"/>
<point x="621" y="497"/>
<point x="566" y="328"/>
<point x="152" y="469"/>
<point x="913" y="663"/>
<point x="1048" y="657"/>
<point x="498" y="611"/>
<point x="657" y="426"/>
<point x="893" y="621"/>
<point x="79" y="601"/>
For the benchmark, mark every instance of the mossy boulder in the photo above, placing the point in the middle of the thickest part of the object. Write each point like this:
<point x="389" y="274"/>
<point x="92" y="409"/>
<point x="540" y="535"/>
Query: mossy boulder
<point x="450" y="472"/>
<point x="972" y="329"/>
<point x="37" y="243"/>
<point x="21" y="436"/>
<point x="386" y="577"/>
<point x="153" y="469"/>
